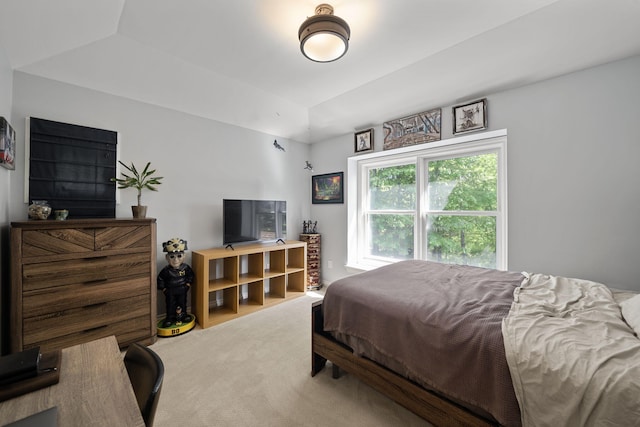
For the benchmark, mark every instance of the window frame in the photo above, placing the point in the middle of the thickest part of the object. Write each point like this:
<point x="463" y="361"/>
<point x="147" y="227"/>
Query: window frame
<point x="357" y="187"/>
<point x="365" y="209"/>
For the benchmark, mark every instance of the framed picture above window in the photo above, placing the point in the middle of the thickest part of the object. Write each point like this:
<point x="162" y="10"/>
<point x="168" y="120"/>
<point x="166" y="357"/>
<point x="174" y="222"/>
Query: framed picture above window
<point x="363" y="141"/>
<point x="327" y="188"/>
<point x="470" y="117"/>
<point x="416" y="129"/>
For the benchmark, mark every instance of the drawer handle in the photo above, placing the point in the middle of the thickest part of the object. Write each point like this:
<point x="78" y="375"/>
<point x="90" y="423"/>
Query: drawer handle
<point x="95" y="257"/>
<point x="95" y="282"/>
<point x="98" y="304"/>
<point x="86" y="331"/>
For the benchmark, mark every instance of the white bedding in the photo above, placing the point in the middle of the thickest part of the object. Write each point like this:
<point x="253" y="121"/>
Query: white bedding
<point x="573" y="359"/>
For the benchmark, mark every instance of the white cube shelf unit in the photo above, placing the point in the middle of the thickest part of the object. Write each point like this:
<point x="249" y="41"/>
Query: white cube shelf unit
<point x="234" y="282"/>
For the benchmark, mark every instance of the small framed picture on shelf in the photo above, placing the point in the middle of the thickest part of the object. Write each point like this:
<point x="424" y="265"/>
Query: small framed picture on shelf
<point x="363" y="140"/>
<point x="470" y="117"/>
<point x="327" y="188"/>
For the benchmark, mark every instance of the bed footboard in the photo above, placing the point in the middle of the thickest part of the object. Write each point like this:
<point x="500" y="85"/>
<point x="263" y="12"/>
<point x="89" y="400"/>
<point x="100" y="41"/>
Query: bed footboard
<point x="433" y="408"/>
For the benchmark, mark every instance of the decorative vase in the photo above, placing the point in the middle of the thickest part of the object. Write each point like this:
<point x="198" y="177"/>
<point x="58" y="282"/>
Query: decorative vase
<point x="61" y="214"/>
<point x="139" y="211"/>
<point x="39" y="209"/>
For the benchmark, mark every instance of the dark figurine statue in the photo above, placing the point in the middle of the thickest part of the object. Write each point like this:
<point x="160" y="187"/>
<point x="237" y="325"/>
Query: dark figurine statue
<point x="175" y="281"/>
<point x="309" y="227"/>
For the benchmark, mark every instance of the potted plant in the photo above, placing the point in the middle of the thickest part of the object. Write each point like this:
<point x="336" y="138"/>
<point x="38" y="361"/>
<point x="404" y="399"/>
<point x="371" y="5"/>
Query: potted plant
<point x="138" y="180"/>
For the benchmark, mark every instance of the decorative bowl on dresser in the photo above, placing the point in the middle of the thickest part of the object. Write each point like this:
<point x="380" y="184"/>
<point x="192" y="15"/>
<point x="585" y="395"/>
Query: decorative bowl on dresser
<point x="78" y="280"/>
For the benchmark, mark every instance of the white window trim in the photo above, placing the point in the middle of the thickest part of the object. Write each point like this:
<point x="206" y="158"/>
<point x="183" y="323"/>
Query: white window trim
<point x="356" y="171"/>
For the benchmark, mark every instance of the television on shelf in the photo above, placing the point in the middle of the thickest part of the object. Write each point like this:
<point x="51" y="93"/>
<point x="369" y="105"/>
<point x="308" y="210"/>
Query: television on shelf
<point x="246" y="221"/>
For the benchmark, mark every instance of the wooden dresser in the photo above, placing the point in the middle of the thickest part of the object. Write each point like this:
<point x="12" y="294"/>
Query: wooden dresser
<point x="79" y="280"/>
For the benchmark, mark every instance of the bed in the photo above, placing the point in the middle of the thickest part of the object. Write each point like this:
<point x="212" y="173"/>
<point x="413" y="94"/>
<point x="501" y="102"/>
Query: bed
<point x="461" y="345"/>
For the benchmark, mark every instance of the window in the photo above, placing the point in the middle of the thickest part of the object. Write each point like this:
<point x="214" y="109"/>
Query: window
<point x="390" y="211"/>
<point x="461" y="209"/>
<point x="442" y="201"/>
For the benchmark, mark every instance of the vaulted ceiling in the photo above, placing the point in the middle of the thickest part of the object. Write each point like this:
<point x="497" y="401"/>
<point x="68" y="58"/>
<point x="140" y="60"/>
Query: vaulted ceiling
<point x="238" y="61"/>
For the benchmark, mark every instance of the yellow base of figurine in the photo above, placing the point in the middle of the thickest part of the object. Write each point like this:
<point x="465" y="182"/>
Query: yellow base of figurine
<point x="176" y="329"/>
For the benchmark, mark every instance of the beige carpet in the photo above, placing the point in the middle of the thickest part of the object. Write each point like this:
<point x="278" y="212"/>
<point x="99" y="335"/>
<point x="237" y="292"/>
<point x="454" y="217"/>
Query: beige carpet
<point x="256" y="371"/>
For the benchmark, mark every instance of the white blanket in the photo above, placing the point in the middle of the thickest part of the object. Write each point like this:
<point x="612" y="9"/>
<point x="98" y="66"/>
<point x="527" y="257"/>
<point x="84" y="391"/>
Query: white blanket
<point x="573" y="359"/>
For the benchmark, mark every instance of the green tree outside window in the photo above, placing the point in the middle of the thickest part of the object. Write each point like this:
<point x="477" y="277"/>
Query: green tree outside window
<point x="461" y="210"/>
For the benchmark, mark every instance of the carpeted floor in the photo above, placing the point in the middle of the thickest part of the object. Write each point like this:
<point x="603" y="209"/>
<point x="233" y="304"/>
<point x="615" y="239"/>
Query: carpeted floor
<point x="256" y="371"/>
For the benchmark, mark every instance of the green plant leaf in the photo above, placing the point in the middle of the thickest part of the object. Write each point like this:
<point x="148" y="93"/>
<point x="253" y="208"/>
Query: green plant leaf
<point x="138" y="180"/>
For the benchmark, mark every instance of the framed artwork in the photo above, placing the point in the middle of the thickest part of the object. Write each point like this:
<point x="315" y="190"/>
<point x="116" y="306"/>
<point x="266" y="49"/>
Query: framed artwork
<point x="469" y="117"/>
<point x="412" y="130"/>
<point x="7" y="145"/>
<point x="363" y="140"/>
<point x="327" y="188"/>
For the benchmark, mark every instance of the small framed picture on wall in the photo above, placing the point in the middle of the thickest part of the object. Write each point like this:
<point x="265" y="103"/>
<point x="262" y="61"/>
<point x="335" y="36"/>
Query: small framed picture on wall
<point x="470" y="117"/>
<point x="327" y="188"/>
<point x="363" y="141"/>
<point x="7" y="145"/>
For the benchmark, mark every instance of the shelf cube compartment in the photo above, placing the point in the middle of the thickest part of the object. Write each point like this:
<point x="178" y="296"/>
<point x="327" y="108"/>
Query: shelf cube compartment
<point x="223" y="272"/>
<point x="224" y="301"/>
<point x="252" y="293"/>
<point x="296" y="282"/>
<point x="296" y="258"/>
<point x="277" y="287"/>
<point x="251" y="268"/>
<point x="276" y="262"/>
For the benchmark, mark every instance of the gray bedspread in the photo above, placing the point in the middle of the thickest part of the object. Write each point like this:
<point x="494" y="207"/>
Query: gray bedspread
<point x="436" y="324"/>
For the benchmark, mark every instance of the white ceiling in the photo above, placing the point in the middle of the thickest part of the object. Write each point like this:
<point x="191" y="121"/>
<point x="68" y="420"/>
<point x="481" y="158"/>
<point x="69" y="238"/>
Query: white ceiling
<point x="238" y="61"/>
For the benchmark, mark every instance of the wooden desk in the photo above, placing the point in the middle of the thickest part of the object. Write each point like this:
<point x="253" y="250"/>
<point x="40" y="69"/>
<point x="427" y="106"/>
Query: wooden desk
<point x="94" y="390"/>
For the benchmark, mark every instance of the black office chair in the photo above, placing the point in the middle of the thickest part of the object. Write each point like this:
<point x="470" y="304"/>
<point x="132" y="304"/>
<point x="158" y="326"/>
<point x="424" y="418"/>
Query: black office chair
<point x="146" y="372"/>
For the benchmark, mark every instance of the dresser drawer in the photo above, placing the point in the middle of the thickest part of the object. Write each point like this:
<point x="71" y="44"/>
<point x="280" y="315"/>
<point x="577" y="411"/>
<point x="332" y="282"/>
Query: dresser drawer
<point x="44" y="301"/>
<point x="126" y="331"/>
<point x="84" y="319"/>
<point x="40" y="243"/>
<point x="84" y="270"/>
<point x="122" y="238"/>
<point x="47" y="242"/>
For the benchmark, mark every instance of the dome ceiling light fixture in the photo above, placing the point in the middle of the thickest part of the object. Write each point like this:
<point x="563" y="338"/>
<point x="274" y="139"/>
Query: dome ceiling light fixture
<point x="324" y="37"/>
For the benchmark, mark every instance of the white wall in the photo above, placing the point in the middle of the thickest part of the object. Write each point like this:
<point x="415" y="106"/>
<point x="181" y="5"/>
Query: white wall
<point x="6" y="83"/>
<point x="572" y="150"/>
<point x="574" y="198"/>
<point x="202" y="161"/>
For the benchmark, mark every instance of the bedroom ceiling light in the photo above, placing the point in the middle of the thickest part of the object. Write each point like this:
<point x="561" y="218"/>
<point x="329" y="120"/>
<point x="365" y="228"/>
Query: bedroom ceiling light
<point x="324" y="37"/>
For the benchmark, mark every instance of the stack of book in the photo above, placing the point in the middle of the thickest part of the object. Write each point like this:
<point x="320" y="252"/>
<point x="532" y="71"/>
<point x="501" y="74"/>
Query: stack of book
<point x="19" y="366"/>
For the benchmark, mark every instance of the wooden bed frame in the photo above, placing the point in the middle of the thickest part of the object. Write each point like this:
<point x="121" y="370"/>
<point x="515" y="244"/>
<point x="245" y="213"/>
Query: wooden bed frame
<point x="437" y="410"/>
